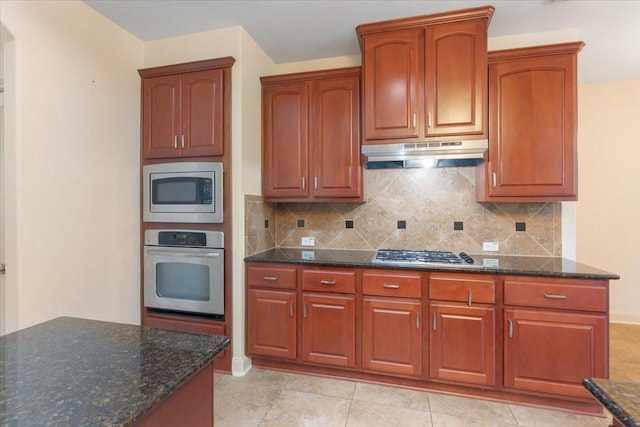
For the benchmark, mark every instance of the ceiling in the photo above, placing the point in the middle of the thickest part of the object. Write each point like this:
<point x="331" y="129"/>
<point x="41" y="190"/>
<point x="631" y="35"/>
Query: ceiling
<point x="300" y="30"/>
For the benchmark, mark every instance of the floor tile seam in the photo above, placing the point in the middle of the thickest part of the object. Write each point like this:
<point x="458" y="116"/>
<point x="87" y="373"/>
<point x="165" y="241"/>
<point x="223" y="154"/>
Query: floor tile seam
<point x="390" y="405"/>
<point x="315" y="394"/>
<point x="262" y="420"/>
<point x="346" y="421"/>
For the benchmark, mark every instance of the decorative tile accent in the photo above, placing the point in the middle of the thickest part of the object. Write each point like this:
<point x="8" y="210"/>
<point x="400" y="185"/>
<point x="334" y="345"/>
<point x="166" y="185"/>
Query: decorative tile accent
<point x="258" y="238"/>
<point x="521" y="226"/>
<point x="348" y="224"/>
<point x="430" y="200"/>
<point x="402" y="225"/>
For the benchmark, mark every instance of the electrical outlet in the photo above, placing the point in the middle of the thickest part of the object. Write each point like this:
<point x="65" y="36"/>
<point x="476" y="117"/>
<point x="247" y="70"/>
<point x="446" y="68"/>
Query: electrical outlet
<point x="490" y="246"/>
<point x="308" y="241"/>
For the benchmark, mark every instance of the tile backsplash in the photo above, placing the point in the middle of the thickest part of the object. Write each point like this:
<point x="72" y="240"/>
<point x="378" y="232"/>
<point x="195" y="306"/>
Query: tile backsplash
<point x="409" y="209"/>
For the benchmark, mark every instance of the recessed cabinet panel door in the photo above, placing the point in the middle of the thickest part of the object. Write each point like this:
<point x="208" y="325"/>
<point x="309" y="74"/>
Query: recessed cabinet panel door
<point x="285" y="140"/>
<point x="392" y="336"/>
<point x="391" y="67"/>
<point x="532" y="106"/>
<point x="462" y="343"/>
<point x="202" y="113"/>
<point x="161" y="117"/>
<point x="335" y="136"/>
<point x="456" y="80"/>
<point x="272" y="323"/>
<point x="553" y="352"/>
<point x="328" y="329"/>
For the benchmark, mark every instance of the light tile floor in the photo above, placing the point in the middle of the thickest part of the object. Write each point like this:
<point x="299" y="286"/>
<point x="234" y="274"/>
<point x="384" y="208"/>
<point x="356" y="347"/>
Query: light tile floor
<point x="272" y="398"/>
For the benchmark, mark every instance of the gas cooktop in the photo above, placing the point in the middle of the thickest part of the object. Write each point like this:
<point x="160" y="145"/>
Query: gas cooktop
<point x="401" y="256"/>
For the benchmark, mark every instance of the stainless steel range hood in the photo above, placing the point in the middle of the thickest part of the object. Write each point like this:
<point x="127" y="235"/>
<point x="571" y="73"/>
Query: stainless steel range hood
<point x="425" y="154"/>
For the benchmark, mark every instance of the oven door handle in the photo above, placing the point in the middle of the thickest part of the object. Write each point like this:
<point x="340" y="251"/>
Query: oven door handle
<point x="181" y="254"/>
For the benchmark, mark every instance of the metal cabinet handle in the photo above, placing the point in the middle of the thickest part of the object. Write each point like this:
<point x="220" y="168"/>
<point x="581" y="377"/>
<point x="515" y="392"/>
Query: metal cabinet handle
<point x="494" y="180"/>
<point x="175" y="141"/>
<point x="391" y="286"/>
<point x="304" y="310"/>
<point x="327" y="282"/>
<point x="469" y="297"/>
<point x="270" y="278"/>
<point x="553" y="296"/>
<point x="434" y="321"/>
<point x="315" y="183"/>
<point x="291" y="309"/>
<point x="182" y="141"/>
<point x="430" y="120"/>
<point x="303" y="183"/>
<point x="414" y="120"/>
<point x="418" y="321"/>
<point x="510" y="328"/>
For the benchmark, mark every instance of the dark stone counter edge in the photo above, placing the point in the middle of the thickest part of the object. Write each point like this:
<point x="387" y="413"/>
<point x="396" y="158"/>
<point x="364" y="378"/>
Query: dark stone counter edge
<point x="453" y="269"/>
<point x="606" y="401"/>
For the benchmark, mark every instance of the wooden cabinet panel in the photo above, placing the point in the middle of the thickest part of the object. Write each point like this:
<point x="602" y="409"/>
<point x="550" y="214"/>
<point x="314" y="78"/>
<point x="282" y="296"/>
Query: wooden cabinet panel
<point x="392" y="283"/>
<point x="161" y="116"/>
<point x="326" y="280"/>
<point x="456" y="78"/>
<point x="285" y="140"/>
<point x="311" y="136"/>
<point x="532" y="125"/>
<point x="272" y="323"/>
<point x="392" y="336"/>
<point x="271" y="276"/>
<point x="552" y="352"/>
<point x="329" y="329"/>
<point x="462" y="344"/>
<point x="467" y="288"/>
<point x="556" y="293"/>
<point x="392" y="84"/>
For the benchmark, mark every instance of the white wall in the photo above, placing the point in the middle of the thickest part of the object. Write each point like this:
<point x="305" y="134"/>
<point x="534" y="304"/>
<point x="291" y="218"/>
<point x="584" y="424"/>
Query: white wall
<point x="73" y="138"/>
<point x="608" y="211"/>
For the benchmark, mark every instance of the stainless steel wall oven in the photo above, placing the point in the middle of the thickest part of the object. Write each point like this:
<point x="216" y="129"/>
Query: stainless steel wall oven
<point x="184" y="271"/>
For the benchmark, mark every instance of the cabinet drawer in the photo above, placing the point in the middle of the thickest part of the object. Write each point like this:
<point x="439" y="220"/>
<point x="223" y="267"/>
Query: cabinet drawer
<point x="271" y="276"/>
<point x="581" y="295"/>
<point x="391" y="283"/>
<point x="341" y="281"/>
<point x="462" y="287"/>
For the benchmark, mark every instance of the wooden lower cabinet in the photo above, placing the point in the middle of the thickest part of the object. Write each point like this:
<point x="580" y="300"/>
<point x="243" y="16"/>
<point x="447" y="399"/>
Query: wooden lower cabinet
<point x="392" y="336"/>
<point x="462" y="343"/>
<point x="552" y="352"/>
<point x="329" y="329"/>
<point x="272" y="323"/>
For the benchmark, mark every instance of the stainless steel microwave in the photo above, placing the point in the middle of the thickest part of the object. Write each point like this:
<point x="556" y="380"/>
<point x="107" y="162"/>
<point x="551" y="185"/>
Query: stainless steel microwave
<point x="185" y="192"/>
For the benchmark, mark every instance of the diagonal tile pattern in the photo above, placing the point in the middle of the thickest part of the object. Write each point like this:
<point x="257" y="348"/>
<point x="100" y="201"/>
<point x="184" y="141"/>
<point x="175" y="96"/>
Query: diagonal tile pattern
<point x="272" y="398"/>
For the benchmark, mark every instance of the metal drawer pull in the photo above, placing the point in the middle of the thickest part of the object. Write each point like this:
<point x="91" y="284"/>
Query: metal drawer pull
<point x="494" y="180"/>
<point x="434" y="321"/>
<point x="291" y="309"/>
<point x="510" y="328"/>
<point x="304" y="310"/>
<point x="553" y="296"/>
<point x="469" y="298"/>
<point x="327" y="282"/>
<point x="182" y="141"/>
<point x="175" y="141"/>
<point x="418" y="321"/>
<point x="270" y="278"/>
<point x="391" y="286"/>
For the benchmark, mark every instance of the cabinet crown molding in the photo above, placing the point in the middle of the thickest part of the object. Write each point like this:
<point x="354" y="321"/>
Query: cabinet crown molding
<point x="535" y="51"/>
<point x="206" y="64"/>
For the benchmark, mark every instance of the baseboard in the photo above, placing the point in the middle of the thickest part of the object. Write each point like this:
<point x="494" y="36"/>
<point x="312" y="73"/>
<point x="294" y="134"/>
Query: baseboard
<point x="624" y="317"/>
<point x="240" y="366"/>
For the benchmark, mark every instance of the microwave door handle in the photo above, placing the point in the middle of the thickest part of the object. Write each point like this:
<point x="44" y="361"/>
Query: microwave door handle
<point x="180" y="254"/>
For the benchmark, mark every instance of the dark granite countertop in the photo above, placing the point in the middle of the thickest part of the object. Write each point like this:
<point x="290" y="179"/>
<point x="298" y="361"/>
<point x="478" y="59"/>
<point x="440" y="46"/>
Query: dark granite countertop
<point x="77" y="372"/>
<point x="516" y="265"/>
<point x="621" y="398"/>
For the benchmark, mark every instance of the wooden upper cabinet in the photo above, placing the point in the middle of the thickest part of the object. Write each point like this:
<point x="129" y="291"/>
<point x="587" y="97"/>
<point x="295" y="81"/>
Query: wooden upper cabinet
<point x="185" y="109"/>
<point x="532" y="125"/>
<point x="311" y="136"/>
<point x="424" y="78"/>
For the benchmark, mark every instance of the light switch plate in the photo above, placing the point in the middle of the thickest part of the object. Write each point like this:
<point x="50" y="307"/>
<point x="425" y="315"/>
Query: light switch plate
<point x="490" y="246"/>
<point x="308" y="241"/>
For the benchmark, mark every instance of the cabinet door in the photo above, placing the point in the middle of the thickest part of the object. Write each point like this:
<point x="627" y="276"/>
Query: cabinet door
<point x="328" y="329"/>
<point x="202" y="113"/>
<point x="335" y="137"/>
<point x="552" y="352"/>
<point x="285" y="140"/>
<point x="391" y="336"/>
<point x="456" y="78"/>
<point x="272" y="323"/>
<point x="462" y="344"/>
<point x="161" y="116"/>
<point x="532" y="147"/>
<point x="392" y="85"/>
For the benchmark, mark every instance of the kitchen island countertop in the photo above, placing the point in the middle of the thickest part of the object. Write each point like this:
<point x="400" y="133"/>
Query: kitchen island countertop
<point x="498" y="264"/>
<point x="70" y="371"/>
<point x="620" y="398"/>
